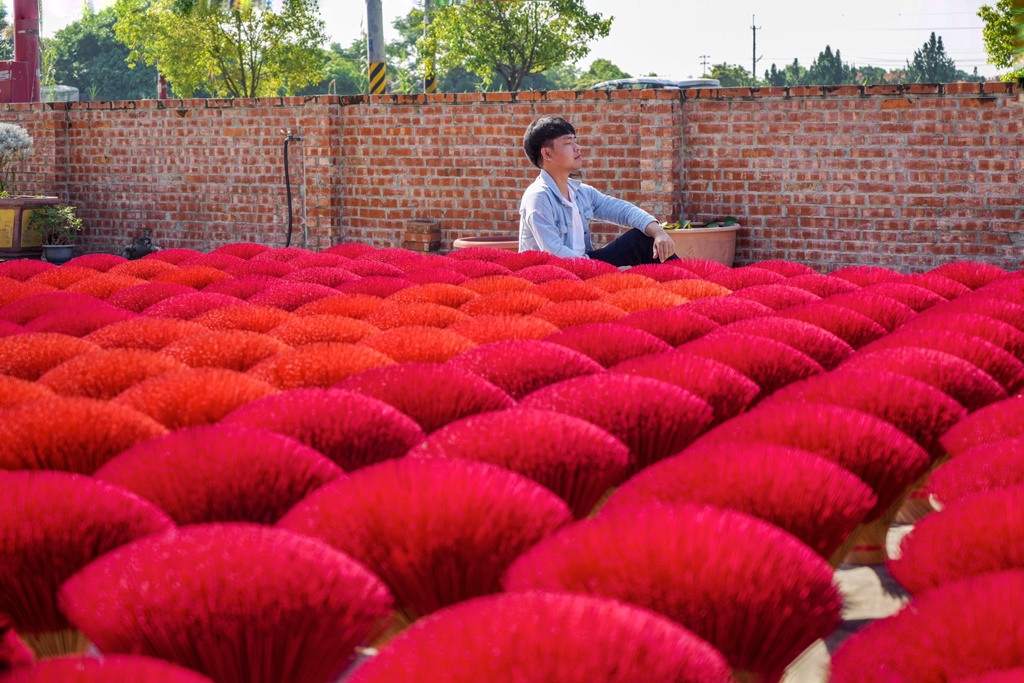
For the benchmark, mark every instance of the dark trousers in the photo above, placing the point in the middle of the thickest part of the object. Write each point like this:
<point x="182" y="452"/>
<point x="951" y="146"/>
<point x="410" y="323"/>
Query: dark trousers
<point x="632" y="248"/>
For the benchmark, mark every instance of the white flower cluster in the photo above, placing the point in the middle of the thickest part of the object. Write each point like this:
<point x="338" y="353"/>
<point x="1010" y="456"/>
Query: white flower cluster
<point x="15" y="143"/>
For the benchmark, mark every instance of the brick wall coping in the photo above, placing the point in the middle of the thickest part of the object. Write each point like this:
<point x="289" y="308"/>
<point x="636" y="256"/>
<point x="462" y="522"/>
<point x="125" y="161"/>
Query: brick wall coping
<point x="703" y="94"/>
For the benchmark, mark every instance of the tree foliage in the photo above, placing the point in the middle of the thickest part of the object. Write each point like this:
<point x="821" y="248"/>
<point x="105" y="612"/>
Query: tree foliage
<point x="600" y="70"/>
<point x="237" y="49"/>
<point x="1004" y="36"/>
<point x="6" y="35"/>
<point x="830" y="69"/>
<point x="86" y="54"/>
<point x="931" y="64"/>
<point x="512" y="39"/>
<point x="733" y="76"/>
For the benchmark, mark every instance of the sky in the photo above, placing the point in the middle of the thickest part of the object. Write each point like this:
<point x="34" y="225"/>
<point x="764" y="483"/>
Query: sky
<point x="671" y="38"/>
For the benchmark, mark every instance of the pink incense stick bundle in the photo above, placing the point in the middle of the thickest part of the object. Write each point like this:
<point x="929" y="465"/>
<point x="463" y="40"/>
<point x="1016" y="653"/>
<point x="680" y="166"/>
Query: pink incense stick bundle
<point x="189" y="305"/>
<point x="119" y="668"/>
<point x="51" y="525"/>
<point x="787" y="269"/>
<point x="221" y="473"/>
<point x="351" y="429"/>
<point x="545" y="636"/>
<point x="621" y="404"/>
<point x="675" y="326"/>
<point x="769" y="363"/>
<point x="777" y="296"/>
<point x="958" y="630"/>
<point x="856" y="329"/>
<point x="753" y="591"/>
<point x="988" y="467"/>
<point x="728" y="391"/>
<point x="970" y="273"/>
<point x="430" y="393"/>
<point x="825" y="348"/>
<point x="741" y="278"/>
<point x="249" y="603"/>
<point x="814" y="499"/>
<point x="966" y="383"/>
<point x="1000" y="364"/>
<point x="608" y="343"/>
<point x="522" y="366"/>
<point x="437" y="531"/>
<point x="989" y="425"/>
<point x="572" y="457"/>
<point x="140" y="297"/>
<point x="967" y="538"/>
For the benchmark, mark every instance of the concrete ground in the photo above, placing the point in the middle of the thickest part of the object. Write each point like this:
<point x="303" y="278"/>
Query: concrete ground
<point x="869" y="593"/>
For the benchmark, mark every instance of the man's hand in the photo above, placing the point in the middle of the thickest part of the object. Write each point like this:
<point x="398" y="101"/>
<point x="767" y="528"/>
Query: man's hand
<point x="664" y="246"/>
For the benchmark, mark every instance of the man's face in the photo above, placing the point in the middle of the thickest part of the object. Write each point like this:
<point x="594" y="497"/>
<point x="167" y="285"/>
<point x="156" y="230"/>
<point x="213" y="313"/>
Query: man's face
<point x="564" y="154"/>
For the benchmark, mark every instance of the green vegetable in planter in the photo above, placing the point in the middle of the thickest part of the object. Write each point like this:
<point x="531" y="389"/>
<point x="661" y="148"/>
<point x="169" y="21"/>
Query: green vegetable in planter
<point x="58" y="224"/>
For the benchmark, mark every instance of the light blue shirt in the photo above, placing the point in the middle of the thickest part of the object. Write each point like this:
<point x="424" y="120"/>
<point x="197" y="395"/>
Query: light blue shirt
<point x="545" y="216"/>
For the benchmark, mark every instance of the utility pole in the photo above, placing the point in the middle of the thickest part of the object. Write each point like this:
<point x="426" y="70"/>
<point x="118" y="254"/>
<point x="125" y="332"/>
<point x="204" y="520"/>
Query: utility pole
<point x="704" y="64"/>
<point x="753" y="66"/>
<point x="429" y="70"/>
<point x="376" y="65"/>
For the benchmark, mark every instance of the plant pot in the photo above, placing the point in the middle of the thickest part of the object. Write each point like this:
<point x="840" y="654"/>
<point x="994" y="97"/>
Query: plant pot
<point x="715" y="244"/>
<point x="509" y="243"/>
<point x="58" y="254"/>
<point x="16" y="240"/>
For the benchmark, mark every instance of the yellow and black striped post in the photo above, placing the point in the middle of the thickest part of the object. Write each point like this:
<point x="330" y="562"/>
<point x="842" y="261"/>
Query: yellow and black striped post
<point x="375" y="48"/>
<point x="378" y="78"/>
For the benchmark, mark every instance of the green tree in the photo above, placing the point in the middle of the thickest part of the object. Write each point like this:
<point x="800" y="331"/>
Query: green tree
<point x="6" y="35"/>
<point x="732" y="76"/>
<point x="88" y="56"/>
<point x="774" y="77"/>
<point x="1004" y="36"/>
<point x="867" y="75"/>
<point x="512" y="38"/>
<point x="238" y="49"/>
<point x="600" y="70"/>
<point x="829" y="69"/>
<point x="931" y="64"/>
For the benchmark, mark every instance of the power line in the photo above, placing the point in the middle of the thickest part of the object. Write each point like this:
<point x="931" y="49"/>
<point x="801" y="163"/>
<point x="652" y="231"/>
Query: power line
<point x="704" y="63"/>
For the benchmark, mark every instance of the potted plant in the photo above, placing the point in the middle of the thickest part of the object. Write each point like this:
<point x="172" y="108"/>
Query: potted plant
<point x="16" y="146"/>
<point x="714" y="240"/>
<point x="58" y="228"/>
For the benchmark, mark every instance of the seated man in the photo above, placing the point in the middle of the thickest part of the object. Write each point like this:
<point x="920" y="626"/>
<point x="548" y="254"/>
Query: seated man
<point x="556" y="210"/>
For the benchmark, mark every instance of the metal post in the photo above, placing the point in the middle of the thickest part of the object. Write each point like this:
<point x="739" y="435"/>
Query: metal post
<point x="429" y="69"/>
<point x="375" y="48"/>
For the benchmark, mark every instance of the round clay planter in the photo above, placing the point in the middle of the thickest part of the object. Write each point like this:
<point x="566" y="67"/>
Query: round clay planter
<point x="715" y="244"/>
<point x="496" y="241"/>
<point x="58" y="254"/>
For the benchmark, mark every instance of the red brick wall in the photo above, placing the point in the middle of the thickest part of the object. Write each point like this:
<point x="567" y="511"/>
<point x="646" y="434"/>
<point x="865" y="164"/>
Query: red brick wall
<point x="909" y="177"/>
<point x="458" y="159"/>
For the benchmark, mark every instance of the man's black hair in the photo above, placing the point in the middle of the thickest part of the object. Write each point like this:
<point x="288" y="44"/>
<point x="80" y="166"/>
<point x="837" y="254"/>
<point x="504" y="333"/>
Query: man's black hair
<point x="540" y="134"/>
